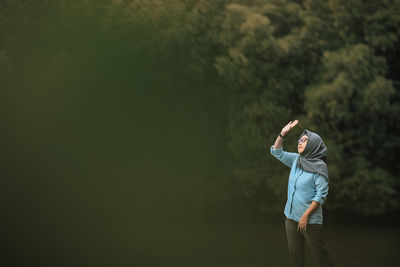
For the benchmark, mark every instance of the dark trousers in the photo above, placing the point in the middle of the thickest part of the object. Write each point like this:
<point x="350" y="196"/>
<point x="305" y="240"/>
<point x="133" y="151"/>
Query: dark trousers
<point x="313" y="236"/>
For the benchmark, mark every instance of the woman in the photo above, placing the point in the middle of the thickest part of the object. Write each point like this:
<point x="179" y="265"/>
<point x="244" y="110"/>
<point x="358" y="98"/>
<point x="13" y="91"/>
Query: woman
<point x="307" y="190"/>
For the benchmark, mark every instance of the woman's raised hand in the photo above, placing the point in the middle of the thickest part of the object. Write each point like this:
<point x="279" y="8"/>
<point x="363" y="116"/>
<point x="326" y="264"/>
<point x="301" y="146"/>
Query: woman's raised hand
<point x="288" y="127"/>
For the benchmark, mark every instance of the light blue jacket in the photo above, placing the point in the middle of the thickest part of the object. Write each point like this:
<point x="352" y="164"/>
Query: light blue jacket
<point x="303" y="188"/>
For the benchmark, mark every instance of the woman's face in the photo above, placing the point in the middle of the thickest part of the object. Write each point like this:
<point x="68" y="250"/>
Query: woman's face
<point x="302" y="143"/>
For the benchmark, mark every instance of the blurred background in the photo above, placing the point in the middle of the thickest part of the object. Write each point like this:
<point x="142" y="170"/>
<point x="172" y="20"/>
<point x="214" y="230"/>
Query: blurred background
<point x="138" y="133"/>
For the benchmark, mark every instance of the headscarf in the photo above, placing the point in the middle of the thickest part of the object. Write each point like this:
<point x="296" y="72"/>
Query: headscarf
<point x="311" y="158"/>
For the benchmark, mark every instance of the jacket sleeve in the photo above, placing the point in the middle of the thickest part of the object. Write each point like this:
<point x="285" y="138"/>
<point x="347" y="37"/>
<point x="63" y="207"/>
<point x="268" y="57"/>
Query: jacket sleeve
<point x="322" y="188"/>
<point x="287" y="158"/>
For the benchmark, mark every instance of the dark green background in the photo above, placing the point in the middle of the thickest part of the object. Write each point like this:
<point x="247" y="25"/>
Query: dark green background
<point x="135" y="133"/>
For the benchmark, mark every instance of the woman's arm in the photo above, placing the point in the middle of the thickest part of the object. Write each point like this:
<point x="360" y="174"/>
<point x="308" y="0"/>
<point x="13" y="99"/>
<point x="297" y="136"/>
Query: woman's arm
<point x="322" y="187"/>
<point x="278" y="142"/>
<point x="284" y="131"/>
<point x="302" y="226"/>
<point x="276" y="150"/>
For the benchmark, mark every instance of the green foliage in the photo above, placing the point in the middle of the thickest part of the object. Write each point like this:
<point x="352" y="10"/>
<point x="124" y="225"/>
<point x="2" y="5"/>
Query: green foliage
<point x="319" y="61"/>
<point x="370" y="190"/>
<point x="351" y="106"/>
<point x="249" y="67"/>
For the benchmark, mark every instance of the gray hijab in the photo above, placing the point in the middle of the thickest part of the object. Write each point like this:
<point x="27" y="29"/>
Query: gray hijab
<point x="311" y="158"/>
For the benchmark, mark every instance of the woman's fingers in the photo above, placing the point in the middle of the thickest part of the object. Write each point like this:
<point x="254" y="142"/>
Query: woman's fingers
<point x="302" y="226"/>
<point x="294" y="123"/>
<point x="289" y="126"/>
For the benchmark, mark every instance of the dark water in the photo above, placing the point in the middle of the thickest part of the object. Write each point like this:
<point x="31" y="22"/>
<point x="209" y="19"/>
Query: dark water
<point x="197" y="244"/>
<point x="249" y="244"/>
